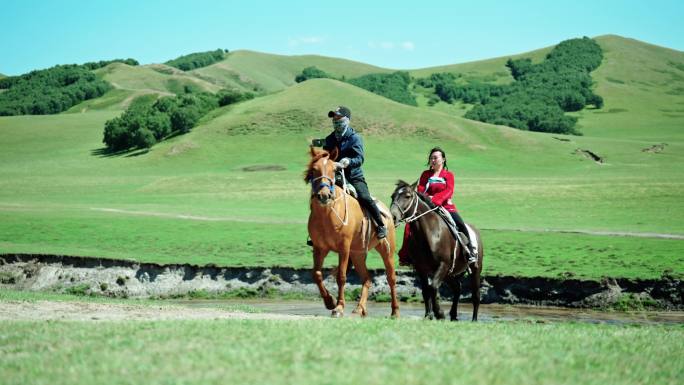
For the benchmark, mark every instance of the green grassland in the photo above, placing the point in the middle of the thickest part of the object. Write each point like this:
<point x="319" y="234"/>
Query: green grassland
<point x="316" y="350"/>
<point x="193" y="199"/>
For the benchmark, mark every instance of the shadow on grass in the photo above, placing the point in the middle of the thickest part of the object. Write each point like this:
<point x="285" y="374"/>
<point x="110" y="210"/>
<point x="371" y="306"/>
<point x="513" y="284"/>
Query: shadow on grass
<point x="104" y="152"/>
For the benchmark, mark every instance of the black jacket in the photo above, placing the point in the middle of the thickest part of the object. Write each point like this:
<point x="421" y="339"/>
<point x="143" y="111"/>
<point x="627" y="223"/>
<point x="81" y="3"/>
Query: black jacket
<point x="350" y="146"/>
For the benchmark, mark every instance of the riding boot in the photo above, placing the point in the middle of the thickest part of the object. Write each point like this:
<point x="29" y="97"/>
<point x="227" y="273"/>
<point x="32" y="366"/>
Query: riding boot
<point x="461" y="227"/>
<point x="472" y="258"/>
<point x="377" y="218"/>
<point x="469" y="253"/>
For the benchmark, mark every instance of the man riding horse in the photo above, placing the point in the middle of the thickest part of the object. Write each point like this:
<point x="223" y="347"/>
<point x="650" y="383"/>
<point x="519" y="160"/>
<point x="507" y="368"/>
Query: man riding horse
<point x="351" y="153"/>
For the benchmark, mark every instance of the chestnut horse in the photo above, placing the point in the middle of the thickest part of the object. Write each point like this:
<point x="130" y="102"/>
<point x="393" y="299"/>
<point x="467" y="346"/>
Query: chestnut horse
<point x="435" y="254"/>
<point x="336" y="223"/>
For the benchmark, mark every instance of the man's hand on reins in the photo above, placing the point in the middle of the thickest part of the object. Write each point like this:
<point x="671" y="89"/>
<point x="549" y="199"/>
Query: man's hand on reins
<point x="343" y="163"/>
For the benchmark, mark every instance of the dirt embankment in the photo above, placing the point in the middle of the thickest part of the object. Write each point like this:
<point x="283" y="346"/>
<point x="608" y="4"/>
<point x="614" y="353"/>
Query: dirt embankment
<point x="117" y="278"/>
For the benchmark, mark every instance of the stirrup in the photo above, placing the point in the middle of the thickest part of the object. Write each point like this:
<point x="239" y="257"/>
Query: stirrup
<point x="472" y="261"/>
<point x="381" y="232"/>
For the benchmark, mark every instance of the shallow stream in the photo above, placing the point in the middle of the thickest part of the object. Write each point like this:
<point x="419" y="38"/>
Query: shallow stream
<point x="487" y="313"/>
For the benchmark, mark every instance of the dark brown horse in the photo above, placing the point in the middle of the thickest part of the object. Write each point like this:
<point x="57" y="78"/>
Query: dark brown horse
<point x="435" y="254"/>
<point x="337" y="223"/>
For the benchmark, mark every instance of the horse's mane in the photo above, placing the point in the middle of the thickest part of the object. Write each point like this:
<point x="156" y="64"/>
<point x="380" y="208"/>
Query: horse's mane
<point x="427" y="200"/>
<point x="402" y="184"/>
<point x="316" y="155"/>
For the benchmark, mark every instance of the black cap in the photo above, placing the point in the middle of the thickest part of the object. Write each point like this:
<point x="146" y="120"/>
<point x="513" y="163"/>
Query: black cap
<point x="341" y="110"/>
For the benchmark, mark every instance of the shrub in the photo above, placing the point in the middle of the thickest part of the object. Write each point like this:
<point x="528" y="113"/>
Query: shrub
<point x="311" y="73"/>
<point x="540" y="94"/>
<point x="49" y="91"/>
<point x="197" y="59"/>
<point x="393" y="86"/>
<point x="146" y="123"/>
<point x="230" y="96"/>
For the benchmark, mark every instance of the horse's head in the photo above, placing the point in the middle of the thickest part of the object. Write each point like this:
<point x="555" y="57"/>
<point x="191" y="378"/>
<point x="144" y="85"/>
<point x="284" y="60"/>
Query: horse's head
<point x="321" y="175"/>
<point x="404" y="198"/>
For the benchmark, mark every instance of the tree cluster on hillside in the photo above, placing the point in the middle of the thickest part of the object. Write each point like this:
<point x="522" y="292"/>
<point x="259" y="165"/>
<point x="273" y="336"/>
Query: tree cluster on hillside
<point x="393" y="86"/>
<point x="312" y="73"/>
<point x="437" y="78"/>
<point x="540" y="93"/>
<point x="197" y="59"/>
<point x="102" y="63"/>
<point x="144" y="124"/>
<point x="51" y="90"/>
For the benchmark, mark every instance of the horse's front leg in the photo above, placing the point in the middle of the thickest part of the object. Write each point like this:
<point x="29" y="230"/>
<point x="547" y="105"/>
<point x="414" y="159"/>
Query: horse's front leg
<point x="317" y="275"/>
<point x="455" y="285"/>
<point x="437" y="280"/>
<point x="427" y="291"/>
<point x="475" y="288"/>
<point x="359" y="261"/>
<point x="338" y="311"/>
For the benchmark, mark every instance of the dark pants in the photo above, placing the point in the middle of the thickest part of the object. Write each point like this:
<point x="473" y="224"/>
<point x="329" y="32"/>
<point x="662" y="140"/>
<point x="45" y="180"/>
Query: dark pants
<point x="365" y="199"/>
<point x="460" y="225"/>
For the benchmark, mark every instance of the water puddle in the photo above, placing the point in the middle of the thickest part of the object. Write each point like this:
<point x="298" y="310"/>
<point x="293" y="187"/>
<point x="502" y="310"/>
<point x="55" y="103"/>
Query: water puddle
<point x="487" y="313"/>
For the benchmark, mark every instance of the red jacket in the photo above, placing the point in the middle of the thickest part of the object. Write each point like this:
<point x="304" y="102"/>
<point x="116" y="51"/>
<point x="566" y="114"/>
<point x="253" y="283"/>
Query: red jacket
<point x="440" y="189"/>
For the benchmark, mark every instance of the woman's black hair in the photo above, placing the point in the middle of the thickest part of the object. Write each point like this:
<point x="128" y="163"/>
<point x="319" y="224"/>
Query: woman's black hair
<point x="435" y="149"/>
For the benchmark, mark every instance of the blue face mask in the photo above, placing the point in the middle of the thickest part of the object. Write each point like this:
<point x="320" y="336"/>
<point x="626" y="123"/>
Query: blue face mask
<point x="340" y="126"/>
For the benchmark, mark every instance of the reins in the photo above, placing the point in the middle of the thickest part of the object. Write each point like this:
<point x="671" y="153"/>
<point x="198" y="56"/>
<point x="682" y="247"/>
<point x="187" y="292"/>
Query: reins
<point x="331" y="186"/>
<point x="413" y="217"/>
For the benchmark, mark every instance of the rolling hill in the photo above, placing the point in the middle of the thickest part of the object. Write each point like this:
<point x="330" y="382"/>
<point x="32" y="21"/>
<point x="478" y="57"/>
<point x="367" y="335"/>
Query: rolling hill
<point x="642" y="86"/>
<point x="250" y="70"/>
<point x="131" y="82"/>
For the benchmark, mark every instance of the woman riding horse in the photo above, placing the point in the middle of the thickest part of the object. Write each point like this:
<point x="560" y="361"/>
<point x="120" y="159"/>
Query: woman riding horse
<point x="437" y="182"/>
<point x="434" y="252"/>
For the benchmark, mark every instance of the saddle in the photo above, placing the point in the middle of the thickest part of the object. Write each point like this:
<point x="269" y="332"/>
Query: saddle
<point x="463" y="239"/>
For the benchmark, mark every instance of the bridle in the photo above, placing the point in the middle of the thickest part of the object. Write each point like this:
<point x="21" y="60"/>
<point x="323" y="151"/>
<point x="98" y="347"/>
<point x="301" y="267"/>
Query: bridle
<point x="413" y="202"/>
<point x="315" y="188"/>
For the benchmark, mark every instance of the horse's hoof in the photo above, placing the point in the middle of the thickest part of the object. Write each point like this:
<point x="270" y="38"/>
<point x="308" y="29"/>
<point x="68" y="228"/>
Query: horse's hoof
<point x="329" y="302"/>
<point x="360" y="311"/>
<point x="394" y="315"/>
<point x="337" y="313"/>
<point x="429" y="317"/>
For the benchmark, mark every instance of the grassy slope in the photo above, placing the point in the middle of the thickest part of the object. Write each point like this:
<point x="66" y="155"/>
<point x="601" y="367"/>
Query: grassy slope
<point x="247" y="69"/>
<point x="133" y="81"/>
<point x="643" y="89"/>
<point x="487" y="70"/>
<point x="642" y="86"/>
<point x="389" y="351"/>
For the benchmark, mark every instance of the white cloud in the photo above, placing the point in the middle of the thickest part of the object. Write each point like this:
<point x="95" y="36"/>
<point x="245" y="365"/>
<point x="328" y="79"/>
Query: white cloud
<point x="408" y="45"/>
<point x="294" y="42"/>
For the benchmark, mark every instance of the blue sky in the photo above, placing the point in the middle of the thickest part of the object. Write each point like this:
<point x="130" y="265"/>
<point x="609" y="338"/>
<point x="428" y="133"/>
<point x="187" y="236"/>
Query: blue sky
<point x="40" y="34"/>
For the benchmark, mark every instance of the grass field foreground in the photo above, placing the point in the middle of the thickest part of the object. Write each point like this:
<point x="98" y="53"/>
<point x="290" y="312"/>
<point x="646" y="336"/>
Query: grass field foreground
<point x="326" y="351"/>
